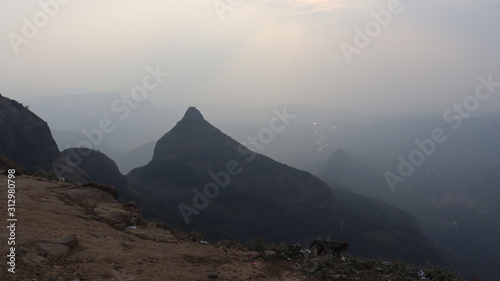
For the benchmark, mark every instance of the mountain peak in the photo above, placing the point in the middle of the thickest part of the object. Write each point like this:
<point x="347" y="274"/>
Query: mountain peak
<point x="192" y="131"/>
<point x="192" y="114"/>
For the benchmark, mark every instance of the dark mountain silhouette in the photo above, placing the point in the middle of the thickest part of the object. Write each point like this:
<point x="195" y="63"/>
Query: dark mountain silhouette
<point x="226" y="190"/>
<point x="26" y="140"/>
<point x="99" y="167"/>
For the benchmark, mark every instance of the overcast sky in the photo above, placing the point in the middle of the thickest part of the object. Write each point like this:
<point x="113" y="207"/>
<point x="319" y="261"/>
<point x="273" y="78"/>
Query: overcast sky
<point x="256" y="52"/>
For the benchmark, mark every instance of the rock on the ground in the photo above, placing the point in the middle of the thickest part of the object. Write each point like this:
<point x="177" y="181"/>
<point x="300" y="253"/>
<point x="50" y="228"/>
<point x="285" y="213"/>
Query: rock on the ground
<point x="53" y="250"/>
<point x="269" y="253"/>
<point x="113" y="213"/>
<point x="106" y="188"/>
<point x="58" y="247"/>
<point x="248" y="255"/>
<point x="86" y="197"/>
<point x="213" y="275"/>
<point x="70" y="241"/>
<point x="33" y="258"/>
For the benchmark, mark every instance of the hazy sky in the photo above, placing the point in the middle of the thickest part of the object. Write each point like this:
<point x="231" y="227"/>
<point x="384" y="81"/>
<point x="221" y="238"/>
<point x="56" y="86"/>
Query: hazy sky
<point x="258" y="53"/>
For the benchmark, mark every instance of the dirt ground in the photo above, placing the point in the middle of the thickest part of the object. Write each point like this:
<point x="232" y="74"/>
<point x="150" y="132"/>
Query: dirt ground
<point x="105" y="253"/>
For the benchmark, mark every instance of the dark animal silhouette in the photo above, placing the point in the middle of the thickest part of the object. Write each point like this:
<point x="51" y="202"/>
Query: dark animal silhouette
<point x="323" y="247"/>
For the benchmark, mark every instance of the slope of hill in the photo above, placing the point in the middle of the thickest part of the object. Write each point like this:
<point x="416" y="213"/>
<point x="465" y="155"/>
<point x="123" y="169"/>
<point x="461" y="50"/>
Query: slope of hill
<point x="56" y="209"/>
<point x="202" y="177"/>
<point x="53" y="215"/>
<point x="25" y="138"/>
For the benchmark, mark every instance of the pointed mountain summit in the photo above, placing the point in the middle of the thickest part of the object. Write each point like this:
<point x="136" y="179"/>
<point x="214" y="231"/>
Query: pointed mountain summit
<point x="192" y="115"/>
<point x="193" y="138"/>
<point x="201" y="179"/>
